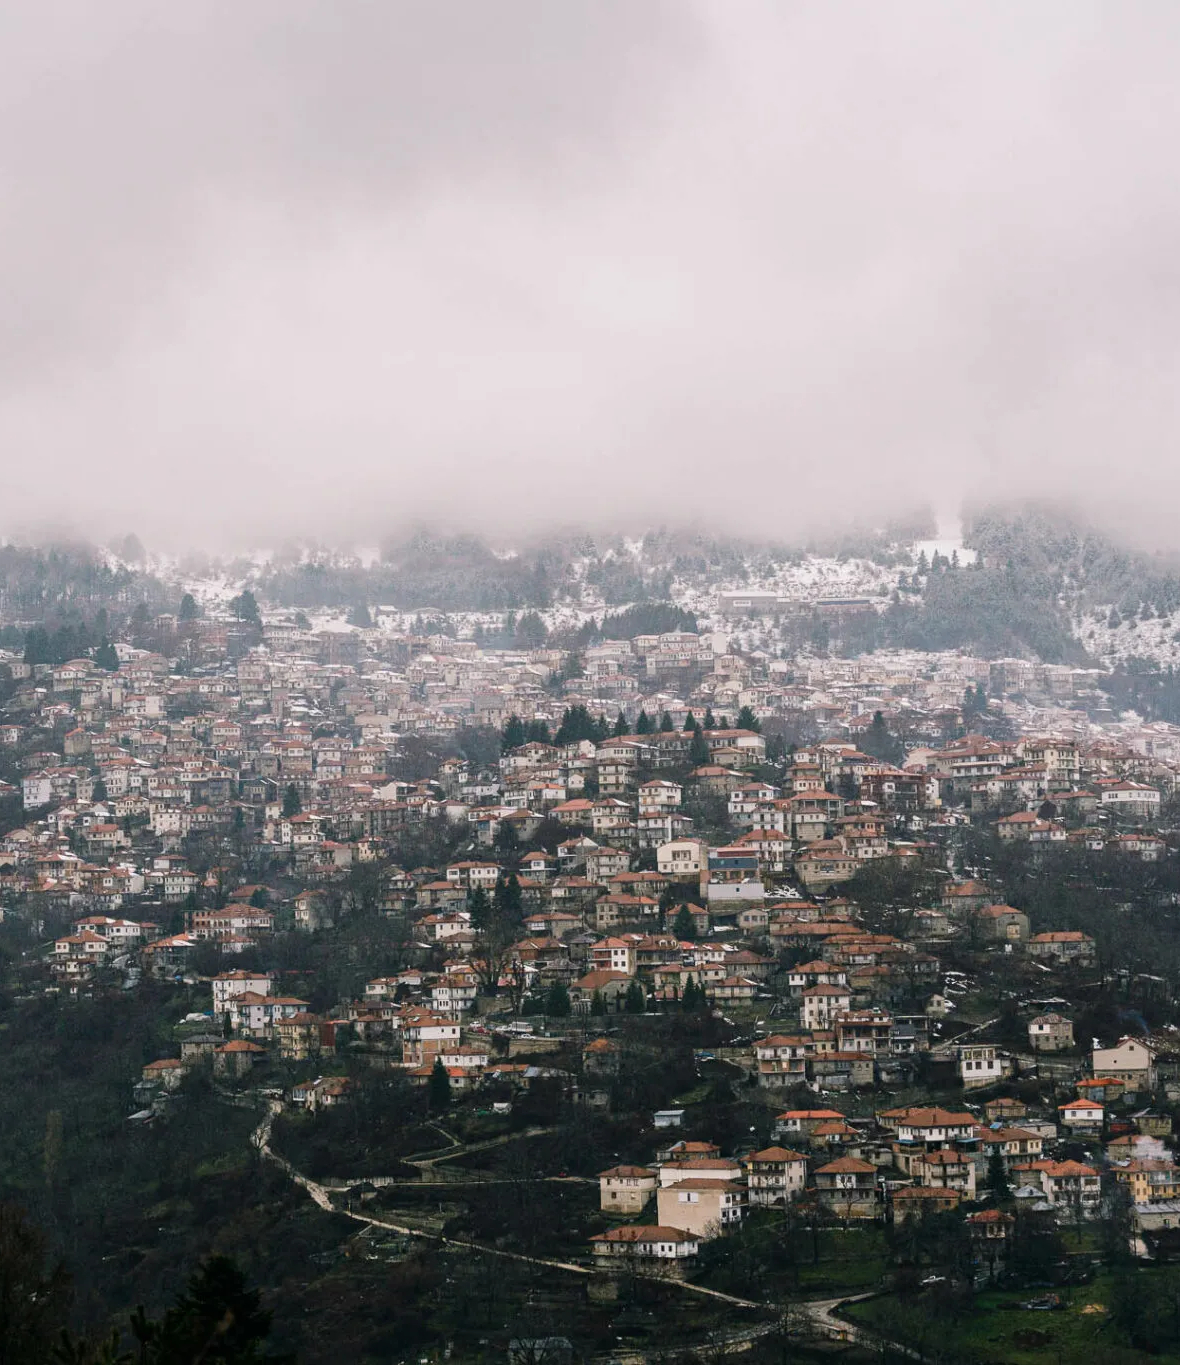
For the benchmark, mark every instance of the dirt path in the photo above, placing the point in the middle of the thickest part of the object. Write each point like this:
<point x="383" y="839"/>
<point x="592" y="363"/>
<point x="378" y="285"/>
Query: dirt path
<point x="321" y="1196"/>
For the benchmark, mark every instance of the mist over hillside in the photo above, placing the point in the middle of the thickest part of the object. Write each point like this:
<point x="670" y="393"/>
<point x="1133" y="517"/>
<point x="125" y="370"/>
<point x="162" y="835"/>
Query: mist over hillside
<point x="1029" y="581"/>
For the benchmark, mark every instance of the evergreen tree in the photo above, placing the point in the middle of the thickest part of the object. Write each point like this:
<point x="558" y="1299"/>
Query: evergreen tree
<point x="621" y="727"/>
<point x="245" y="608"/>
<point x="597" y="1003"/>
<point x="507" y="900"/>
<point x="666" y="726"/>
<point x="512" y="736"/>
<point x="105" y="656"/>
<point x="698" y="750"/>
<point x="747" y="720"/>
<point x="578" y="724"/>
<point x="634" y="1002"/>
<point x="997" y="1175"/>
<point x="923" y="563"/>
<point x="557" y="1001"/>
<point x="684" y="926"/>
<point x="880" y="743"/>
<point x="709" y="723"/>
<point x="359" y="615"/>
<point x="643" y="725"/>
<point x="506" y="845"/>
<point x="439" y="1090"/>
<point x="688" y="1001"/>
<point x="480" y="907"/>
<point x="292" y="802"/>
<point x="189" y="611"/>
<point x="537" y="732"/>
<point x="690" y="724"/>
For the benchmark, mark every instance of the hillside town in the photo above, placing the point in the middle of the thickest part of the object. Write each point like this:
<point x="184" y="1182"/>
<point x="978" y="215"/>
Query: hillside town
<point x="779" y="864"/>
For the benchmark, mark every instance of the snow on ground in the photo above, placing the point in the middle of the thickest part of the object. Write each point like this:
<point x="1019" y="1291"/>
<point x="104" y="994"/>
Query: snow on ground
<point x="1157" y="638"/>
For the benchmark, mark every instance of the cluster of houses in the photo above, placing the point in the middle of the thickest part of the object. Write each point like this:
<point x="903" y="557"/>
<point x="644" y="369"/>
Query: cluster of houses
<point x="171" y="818"/>
<point x="902" y="1163"/>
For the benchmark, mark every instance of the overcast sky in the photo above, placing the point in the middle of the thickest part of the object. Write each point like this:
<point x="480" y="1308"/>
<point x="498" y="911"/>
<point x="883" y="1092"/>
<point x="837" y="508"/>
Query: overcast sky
<point x="323" y="267"/>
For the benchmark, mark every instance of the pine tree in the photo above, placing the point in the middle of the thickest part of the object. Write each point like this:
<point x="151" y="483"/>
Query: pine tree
<point x="106" y="656"/>
<point x="480" y="907"/>
<point x="747" y="720"/>
<point x="292" y="803"/>
<point x="189" y="611"/>
<point x="709" y="723"/>
<point x="597" y="1003"/>
<point x="439" y="1090"/>
<point x="621" y="727"/>
<point x="698" y="750"/>
<point x="666" y="726"/>
<point x="684" y="926"/>
<point x="634" y="1002"/>
<point x="557" y="1001"/>
<point x="997" y="1175"/>
<point x="512" y="736"/>
<point x="643" y="725"/>
<point x="244" y="607"/>
<point x="507" y="899"/>
<point x="690" y="724"/>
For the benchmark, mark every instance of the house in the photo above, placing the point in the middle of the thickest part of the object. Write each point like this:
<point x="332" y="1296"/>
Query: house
<point x="945" y="1169"/>
<point x="648" y="1241"/>
<point x="1131" y="1060"/>
<point x="1004" y="1107"/>
<point x="168" y="1072"/>
<point x="1069" y="1185"/>
<point x="608" y="986"/>
<point x="930" y="1127"/>
<point x="1104" y="1089"/>
<point x="781" y="1059"/>
<point x="981" y="1064"/>
<point x="990" y="1225"/>
<point x="1050" y="1033"/>
<point x="1150" y="1180"/>
<point x="1003" y="924"/>
<point x="1133" y="800"/>
<point x="236" y="1058"/>
<point x="615" y="955"/>
<point x="687" y="1164"/>
<point x="1082" y="1116"/>
<point x="847" y="1188"/>
<point x="802" y="1123"/>
<point x="1012" y="1145"/>
<point x="302" y="1036"/>
<point x="822" y="1004"/>
<point x="1064" y="947"/>
<point x="626" y="1190"/>
<point x="842" y="1069"/>
<point x="775" y="1176"/>
<point x="916" y="1201"/>
<point x="702" y="1205"/>
<point x="228" y="984"/>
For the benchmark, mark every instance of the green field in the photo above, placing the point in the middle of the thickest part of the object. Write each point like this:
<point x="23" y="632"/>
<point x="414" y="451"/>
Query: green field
<point x="996" y="1330"/>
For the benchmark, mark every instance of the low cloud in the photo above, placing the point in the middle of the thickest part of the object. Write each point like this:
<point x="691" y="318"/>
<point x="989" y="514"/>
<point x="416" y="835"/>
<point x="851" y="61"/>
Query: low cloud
<point x="327" y="269"/>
